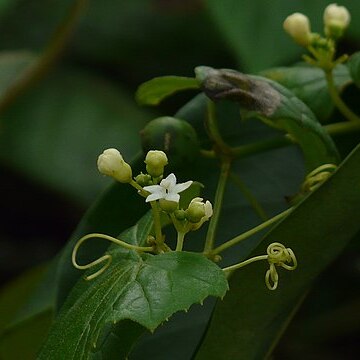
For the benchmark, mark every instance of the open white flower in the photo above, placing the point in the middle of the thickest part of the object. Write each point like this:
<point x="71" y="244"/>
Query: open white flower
<point x="168" y="189"/>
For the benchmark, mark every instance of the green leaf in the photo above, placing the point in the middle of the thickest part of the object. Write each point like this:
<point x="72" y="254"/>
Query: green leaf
<point x="24" y="316"/>
<point x="154" y="91"/>
<point x="256" y="317"/>
<point x="309" y="85"/>
<point x="354" y="67"/>
<point x="276" y="106"/>
<point x="146" y="289"/>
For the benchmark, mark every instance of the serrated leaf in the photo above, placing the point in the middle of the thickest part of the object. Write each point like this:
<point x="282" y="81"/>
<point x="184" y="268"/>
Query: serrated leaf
<point x="146" y="289"/>
<point x="154" y="91"/>
<point x="276" y="106"/>
<point x="317" y="231"/>
<point x="308" y="83"/>
<point x="354" y="68"/>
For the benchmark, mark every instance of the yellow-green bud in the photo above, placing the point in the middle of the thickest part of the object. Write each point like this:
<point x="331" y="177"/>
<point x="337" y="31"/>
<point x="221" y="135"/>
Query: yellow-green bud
<point x="336" y="20"/>
<point x="297" y="26"/>
<point x="196" y="211"/>
<point x="155" y="162"/>
<point x="180" y="215"/>
<point x="111" y="163"/>
<point x="143" y="179"/>
<point x="167" y="205"/>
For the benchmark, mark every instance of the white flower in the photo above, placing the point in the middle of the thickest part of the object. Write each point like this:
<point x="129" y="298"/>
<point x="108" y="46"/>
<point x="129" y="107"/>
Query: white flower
<point x="111" y="163"/>
<point x="297" y="26"/>
<point x="168" y="189"/>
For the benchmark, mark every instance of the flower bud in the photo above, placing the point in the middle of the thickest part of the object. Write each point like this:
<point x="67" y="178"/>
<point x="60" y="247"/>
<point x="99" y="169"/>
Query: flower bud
<point x="336" y="20"/>
<point x="180" y="215"/>
<point x="297" y="26"/>
<point x="143" y="179"/>
<point x="196" y="210"/>
<point x="155" y="162"/>
<point x="111" y="163"/>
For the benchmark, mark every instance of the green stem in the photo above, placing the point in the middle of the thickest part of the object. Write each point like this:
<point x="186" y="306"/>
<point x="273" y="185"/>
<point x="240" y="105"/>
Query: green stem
<point x="157" y="222"/>
<point x="342" y="127"/>
<point x="180" y="241"/>
<point x="343" y="108"/>
<point x="39" y="67"/>
<point x="249" y="196"/>
<point x="250" y="232"/>
<point x="244" y="263"/>
<point x="140" y="189"/>
<point x="219" y="196"/>
<point x="260" y="146"/>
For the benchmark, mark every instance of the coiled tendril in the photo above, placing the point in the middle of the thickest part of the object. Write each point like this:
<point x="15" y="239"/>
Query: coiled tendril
<point x="316" y="177"/>
<point x="278" y="255"/>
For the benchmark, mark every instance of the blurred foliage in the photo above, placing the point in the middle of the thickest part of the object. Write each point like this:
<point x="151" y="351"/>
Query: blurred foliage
<point x="52" y="132"/>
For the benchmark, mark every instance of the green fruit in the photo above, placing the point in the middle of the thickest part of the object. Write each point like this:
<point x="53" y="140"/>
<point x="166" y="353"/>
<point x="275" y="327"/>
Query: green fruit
<point x="177" y="138"/>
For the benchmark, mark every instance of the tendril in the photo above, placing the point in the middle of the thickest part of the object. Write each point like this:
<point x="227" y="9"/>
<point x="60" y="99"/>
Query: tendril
<point x="318" y="176"/>
<point x="277" y="255"/>
<point x="105" y="258"/>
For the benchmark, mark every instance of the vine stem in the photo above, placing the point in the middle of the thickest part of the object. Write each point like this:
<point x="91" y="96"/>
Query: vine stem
<point x="343" y="108"/>
<point x="219" y="196"/>
<point x="52" y="51"/>
<point x="250" y="232"/>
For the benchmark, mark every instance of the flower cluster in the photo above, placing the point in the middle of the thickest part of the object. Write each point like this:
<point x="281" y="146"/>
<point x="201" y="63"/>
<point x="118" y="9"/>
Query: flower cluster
<point x="162" y="193"/>
<point x="336" y="20"/>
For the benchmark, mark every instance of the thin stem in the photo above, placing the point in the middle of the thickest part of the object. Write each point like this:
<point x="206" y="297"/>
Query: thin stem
<point x="219" y="196"/>
<point x="342" y="127"/>
<point x="140" y="189"/>
<point x="180" y="241"/>
<point x="343" y="108"/>
<point x="39" y="67"/>
<point x="157" y="222"/>
<point x="260" y="146"/>
<point x="250" y="232"/>
<point x="246" y="262"/>
<point x="249" y="196"/>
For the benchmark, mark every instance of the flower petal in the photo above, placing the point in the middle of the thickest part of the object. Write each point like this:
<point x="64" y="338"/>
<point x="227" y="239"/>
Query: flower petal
<point x="172" y="197"/>
<point x="181" y="187"/>
<point x="171" y="180"/>
<point x="154" y="196"/>
<point x="154" y="188"/>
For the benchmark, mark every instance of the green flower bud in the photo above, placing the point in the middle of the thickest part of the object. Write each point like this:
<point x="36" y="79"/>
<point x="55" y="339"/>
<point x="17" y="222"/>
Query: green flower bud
<point x="177" y="138"/>
<point x="297" y="26"/>
<point x="196" y="210"/>
<point x="336" y="20"/>
<point x="143" y="179"/>
<point x="111" y="163"/>
<point x="155" y="162"/>
<point x="180" y="215"/>
<point x="168" y="206"/>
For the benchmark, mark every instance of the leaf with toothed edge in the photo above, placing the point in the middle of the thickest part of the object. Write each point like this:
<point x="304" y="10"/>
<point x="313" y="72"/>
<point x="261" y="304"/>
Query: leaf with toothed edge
<point x="137" y="290"/>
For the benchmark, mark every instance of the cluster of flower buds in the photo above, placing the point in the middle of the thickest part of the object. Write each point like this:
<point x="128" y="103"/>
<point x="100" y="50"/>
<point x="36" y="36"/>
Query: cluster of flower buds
<point x="336" y="20"/>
